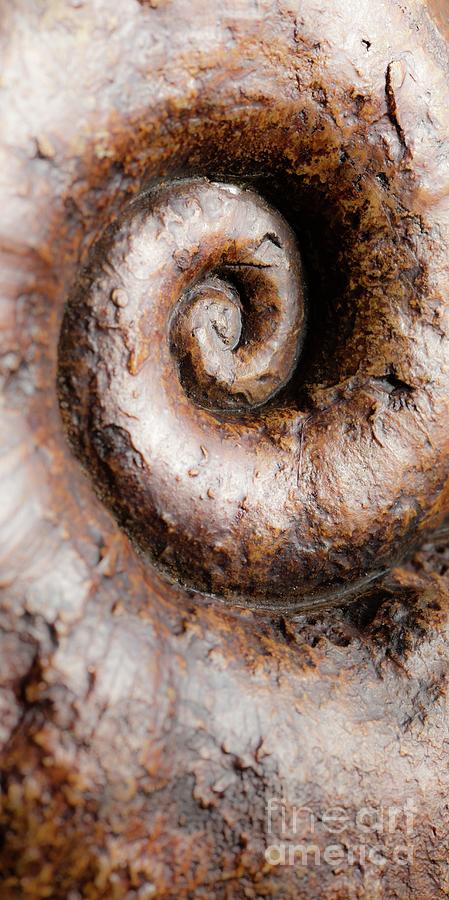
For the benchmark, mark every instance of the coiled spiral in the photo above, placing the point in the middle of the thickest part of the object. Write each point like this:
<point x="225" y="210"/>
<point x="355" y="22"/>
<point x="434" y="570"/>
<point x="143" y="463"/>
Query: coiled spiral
<point x="152" y="153"/>
<point x="177" y="342"/>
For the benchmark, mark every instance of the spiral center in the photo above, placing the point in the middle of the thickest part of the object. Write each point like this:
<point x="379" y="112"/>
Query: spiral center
<point x="216" y="305"/>
<point x="227" y="324"/>
<point x="237" y="329"/>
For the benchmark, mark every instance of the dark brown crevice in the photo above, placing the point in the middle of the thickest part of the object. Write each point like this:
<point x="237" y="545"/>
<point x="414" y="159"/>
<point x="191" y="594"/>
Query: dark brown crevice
<point x="393" y="384"/>
<point x="392" y="104"/>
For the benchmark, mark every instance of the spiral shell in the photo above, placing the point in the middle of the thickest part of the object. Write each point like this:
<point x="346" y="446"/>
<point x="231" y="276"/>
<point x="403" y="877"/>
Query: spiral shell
<point x="146" y="729"/>
<point x="177" y="342"/>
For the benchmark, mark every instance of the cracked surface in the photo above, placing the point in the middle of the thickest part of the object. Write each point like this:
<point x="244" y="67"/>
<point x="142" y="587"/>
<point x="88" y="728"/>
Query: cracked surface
<point x="144" y="729"/>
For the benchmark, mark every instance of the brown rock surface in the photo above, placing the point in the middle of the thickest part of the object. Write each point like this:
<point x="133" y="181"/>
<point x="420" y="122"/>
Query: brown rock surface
<point x="146" y="729"/>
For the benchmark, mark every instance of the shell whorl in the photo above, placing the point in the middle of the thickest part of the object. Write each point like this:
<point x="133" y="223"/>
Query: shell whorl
<point x="178" y="340"/>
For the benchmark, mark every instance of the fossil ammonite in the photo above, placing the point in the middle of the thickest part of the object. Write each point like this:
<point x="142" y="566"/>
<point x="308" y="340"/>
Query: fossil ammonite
<point x="224" y="376"/>
<point x="244" y="469"/>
